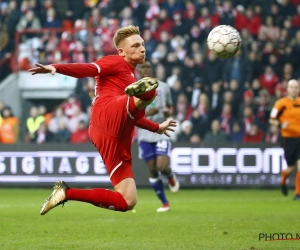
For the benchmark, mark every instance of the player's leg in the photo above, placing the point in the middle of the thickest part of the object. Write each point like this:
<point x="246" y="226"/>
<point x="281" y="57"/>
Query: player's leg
<point x="127" y="188"/>
<point x="147" y="153"/>
<point x="289" y="147"/>
<point x="158" y="186"/>
<point x="297" y="182"/>
<point x="163" y="165"/>
<point x="122" y="199"/>
<point x="163" y="149"/>
<point x="284" y="176"/>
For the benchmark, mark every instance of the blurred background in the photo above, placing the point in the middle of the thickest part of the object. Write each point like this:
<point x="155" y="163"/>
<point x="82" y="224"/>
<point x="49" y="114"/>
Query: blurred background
<point x="230" y="97"/>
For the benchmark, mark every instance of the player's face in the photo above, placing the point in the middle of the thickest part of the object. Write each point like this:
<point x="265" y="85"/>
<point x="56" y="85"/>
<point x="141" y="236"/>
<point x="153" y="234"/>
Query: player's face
<point x="293" y="90"/>
<point x="133" y="50"/>
<point x="145" y="70"/>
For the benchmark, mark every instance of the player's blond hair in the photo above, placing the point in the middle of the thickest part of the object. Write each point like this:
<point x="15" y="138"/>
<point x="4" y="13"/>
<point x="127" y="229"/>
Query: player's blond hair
<point x="125" y="32"/>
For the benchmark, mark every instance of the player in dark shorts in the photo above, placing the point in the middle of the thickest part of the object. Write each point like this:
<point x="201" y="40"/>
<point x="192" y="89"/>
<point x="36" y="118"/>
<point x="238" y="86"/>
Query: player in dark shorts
<point x="286" y="114"/>
<point x="155" y="149"/>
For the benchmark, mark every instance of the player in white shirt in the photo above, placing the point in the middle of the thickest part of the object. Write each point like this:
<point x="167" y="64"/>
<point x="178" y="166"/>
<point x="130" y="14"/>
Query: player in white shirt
<point x="155" y="149"/>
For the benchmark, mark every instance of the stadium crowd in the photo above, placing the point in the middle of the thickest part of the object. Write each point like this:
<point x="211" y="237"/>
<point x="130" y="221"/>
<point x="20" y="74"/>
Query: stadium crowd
<point x="214" y="100"/>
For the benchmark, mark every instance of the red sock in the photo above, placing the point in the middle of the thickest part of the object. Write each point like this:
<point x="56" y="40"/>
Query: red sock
<point x="99" y="197"/>
<point x="297" y="184"/>
<point x="148" y="96"/>
<point x="284" y="176"/>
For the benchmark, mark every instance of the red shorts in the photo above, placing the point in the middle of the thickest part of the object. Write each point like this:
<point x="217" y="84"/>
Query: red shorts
<point x="111" y="130"/>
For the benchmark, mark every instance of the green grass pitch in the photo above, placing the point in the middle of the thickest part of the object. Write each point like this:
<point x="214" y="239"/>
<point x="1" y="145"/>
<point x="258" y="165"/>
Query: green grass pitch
<point x="200" y="219"/>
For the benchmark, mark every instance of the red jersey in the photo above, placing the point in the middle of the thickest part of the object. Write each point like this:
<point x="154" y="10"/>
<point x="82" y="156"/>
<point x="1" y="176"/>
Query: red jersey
<point x="111" y="127"/>
<point x="114" y="75"/>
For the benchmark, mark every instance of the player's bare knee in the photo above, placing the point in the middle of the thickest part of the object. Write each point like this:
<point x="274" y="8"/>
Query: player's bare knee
<point x="131" y="204"/>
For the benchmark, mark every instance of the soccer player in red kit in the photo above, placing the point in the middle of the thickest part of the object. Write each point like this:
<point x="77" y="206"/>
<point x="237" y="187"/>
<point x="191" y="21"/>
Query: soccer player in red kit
<point x="118" y="107"/>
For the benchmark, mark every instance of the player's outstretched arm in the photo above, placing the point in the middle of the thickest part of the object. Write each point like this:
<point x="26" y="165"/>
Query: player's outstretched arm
<point x="167" y="126"/>
<point x="78" y="70"/>
<point x="42" y="69"/>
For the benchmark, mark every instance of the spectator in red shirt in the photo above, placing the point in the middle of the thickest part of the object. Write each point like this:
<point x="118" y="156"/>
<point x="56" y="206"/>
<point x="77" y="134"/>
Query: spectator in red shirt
<point x="81" y="135"/>
<point x="253" y="22"/>
<point x="296" y="18"/>
<point x="165" y="23"/>
<point x="281" y="89"/>
<point x="256" y="134"/>
<point x="240" y="20"/>
<point x="268" y="80"/>
<point x="70" y="106"/>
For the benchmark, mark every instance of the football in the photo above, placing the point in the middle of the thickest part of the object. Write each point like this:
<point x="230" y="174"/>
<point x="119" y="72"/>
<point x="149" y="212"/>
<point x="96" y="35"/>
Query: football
<point x="224" y="41"/>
